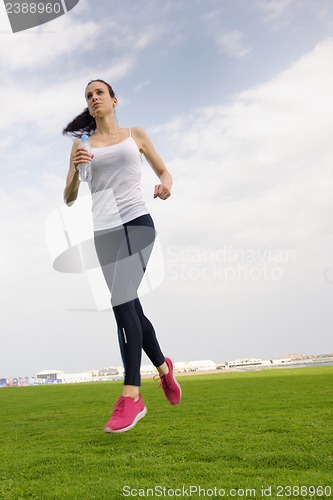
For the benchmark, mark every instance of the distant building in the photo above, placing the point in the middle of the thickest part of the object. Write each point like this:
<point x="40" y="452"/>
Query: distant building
<point x="296" y="356"/>
<point x="58" y="376"/>
<point x="148" y="370"/>
<point x="48" y="375"/>
<point x="195" y="366"/>
<point x="282" y="361"/>
<point x="243" y="362"/>
<point x="249" y="362"/>
<point x="111" y="370"/>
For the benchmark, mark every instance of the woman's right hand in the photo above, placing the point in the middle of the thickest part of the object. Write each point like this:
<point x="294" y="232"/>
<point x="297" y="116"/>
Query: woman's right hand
<point x="81" y="156"/>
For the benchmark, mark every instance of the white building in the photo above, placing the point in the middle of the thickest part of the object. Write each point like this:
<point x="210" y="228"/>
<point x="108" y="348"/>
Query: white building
<point x="46" y="375"/>
<point x="194" y="366"/>
<point x="148" y="370"/>
<point x="243" y="362"/>
<point x="282" y="361"/>
<point x="56" y="376"/>
<point x="248" y="362"/>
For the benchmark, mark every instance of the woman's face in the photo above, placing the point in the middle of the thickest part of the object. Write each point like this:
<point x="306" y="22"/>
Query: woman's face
<point x="99" y="100"/>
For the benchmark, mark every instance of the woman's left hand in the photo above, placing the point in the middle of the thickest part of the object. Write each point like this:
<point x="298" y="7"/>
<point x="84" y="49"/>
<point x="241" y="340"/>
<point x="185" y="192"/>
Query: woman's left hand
<point x="162" y="191"/>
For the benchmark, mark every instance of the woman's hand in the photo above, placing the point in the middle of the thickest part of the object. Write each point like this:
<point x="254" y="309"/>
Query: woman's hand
<point x="81" y="156"/>
<point x="162" y="191"/>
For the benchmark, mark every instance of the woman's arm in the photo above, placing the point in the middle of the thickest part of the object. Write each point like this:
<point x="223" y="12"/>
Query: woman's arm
<point x="145" y="145"/>
<point x="78" y="156"/>
<point x="72" y="180"/>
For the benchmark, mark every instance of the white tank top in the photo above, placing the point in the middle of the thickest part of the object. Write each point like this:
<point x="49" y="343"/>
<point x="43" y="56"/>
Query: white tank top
<point x="115" y="184"/>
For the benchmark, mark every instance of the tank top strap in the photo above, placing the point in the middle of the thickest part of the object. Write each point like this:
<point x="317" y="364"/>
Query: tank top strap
<point x="130" y="132"/>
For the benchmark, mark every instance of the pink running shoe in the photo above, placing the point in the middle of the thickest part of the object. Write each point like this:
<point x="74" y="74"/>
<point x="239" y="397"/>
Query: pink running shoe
<point x="170" y="385"/>
<point x="126" y="414"/>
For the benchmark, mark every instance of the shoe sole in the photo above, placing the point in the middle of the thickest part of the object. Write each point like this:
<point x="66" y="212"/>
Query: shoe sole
<point x="180" y="389"/>
<point x="135" y="421"/>
<point x="180" y="393"/>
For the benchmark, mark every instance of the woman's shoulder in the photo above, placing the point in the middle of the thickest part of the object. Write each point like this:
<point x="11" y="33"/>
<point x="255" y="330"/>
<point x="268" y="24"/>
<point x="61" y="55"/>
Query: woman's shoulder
<point x="140" y="137"/>
<point x="139" y="134"/>
<point x="139" y="131"/>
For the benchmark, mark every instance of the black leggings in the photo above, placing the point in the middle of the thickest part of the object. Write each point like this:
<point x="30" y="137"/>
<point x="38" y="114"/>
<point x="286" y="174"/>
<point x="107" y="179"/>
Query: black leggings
<point x="123" y="253"/>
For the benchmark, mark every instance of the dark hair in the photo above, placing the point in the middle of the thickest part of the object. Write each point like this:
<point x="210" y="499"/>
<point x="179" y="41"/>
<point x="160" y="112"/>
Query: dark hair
<point x="85" y="123"/>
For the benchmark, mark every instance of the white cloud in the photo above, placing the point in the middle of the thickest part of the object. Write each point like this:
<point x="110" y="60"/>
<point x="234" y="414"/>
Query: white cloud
<point x="231" y="43"/>
<point x="125" y="38"/>
<point x="276" y="9"/>
<point x="259" y="166"/>
<point x="42" y="48"/>
<point x="49" y="98"/>
<point x="279" y="13"/>
<point x="73" y="36"/>
<point x="142" y="85"/>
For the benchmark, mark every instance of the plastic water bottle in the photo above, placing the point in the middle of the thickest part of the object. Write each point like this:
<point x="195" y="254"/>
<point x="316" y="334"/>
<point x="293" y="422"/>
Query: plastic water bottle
<point x="85" y="168"/>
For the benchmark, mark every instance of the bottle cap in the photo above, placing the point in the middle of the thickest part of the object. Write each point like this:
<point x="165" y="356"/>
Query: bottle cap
<point x="84" y="137"/>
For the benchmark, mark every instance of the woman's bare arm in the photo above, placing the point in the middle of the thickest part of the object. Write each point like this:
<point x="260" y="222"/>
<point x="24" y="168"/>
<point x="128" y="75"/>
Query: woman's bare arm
<point x="72" y="181"/>
<point x="146" y="146"/>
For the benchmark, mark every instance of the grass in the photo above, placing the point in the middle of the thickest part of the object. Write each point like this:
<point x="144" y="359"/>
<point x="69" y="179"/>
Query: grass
<point x="242" y="431"/>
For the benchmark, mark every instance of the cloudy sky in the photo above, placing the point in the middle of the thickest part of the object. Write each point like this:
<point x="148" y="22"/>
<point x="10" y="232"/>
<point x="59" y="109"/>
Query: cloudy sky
<point x="237" y="98"/>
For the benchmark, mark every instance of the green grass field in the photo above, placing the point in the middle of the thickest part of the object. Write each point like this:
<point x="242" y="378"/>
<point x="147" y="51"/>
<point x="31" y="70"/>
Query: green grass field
<point x="232" y="434"/>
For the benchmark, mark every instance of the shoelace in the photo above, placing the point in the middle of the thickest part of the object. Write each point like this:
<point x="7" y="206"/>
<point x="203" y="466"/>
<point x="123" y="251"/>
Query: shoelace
<point x="166" y="381"/>
<point x="119" y="407"/>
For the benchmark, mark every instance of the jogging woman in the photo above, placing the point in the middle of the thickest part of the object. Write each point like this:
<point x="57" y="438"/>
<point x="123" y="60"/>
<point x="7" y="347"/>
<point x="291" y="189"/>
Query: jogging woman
<point x="124" y="235"/>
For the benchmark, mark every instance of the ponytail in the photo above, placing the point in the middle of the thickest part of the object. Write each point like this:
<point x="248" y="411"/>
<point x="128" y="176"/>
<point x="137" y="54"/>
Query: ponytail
<point x="82" y="124"/>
